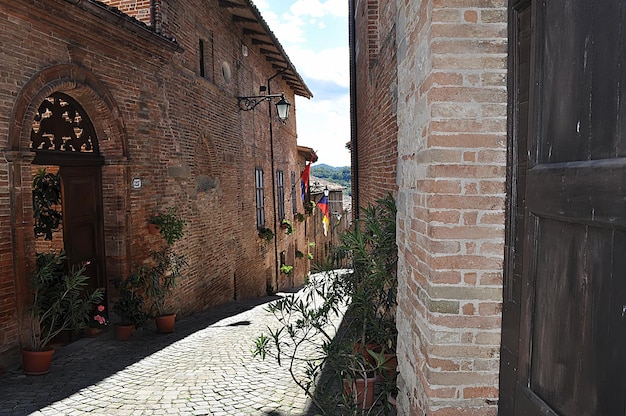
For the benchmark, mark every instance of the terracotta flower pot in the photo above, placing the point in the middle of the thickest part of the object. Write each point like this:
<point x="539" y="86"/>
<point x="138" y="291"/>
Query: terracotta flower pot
<point x="36" y="362"/>
<point x="165" y="323"/>
<point x="389" y="366"/>
<point x="360" y="391"/>
<point x="153" y="228"/>
<point x="90" y="332"/>
<point x="358" y="348"/>
<point x="123" y="332"/>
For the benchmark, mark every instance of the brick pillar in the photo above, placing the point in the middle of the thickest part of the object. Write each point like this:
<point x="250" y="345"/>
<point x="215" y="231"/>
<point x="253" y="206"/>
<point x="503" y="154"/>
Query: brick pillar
<point x="451" y="198"/>
<point x="21" y="247"/>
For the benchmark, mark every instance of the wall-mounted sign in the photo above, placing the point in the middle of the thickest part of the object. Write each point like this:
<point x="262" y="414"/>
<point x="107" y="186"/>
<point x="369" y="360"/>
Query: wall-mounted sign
<point x="137" y="183"/>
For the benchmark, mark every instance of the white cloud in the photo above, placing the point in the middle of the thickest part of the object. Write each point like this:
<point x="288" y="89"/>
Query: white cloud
<point x="289" y="29"/>
<point x="317" y="8"/>
<point x="324" y="126"/>
<point x="328" y="64"/>
<point x="261" y="4"/>
<point x="308" y="30"/>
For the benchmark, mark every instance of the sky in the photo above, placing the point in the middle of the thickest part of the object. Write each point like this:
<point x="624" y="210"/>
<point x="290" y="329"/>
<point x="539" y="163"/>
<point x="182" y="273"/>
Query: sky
<point x="314" y="33"/>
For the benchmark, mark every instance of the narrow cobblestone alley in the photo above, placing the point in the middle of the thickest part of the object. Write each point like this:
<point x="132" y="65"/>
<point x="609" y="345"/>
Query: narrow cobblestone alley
<point x="204" y="368"/>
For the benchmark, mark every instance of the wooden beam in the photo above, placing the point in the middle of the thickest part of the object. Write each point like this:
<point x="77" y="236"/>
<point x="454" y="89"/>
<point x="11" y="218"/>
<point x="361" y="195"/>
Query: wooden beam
<point x="244" y="19"/>
<point x="256" y="41"/>
<point x="231" y="4"/>
<point x="254" y="33"/>
<point x="270" y="59"/>
<point x="269" y="52"/>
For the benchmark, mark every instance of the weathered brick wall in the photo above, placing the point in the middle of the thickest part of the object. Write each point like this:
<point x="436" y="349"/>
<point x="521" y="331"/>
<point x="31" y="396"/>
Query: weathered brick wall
<point x="156" y="120"/>
<point x="451" y="198"/>
<point x="139" y="9"/>
<point x="374" y="160"/>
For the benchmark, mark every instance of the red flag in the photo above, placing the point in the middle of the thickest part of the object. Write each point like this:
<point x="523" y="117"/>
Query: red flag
<point x="304" y="181"/>
<point x="323" y="206"/>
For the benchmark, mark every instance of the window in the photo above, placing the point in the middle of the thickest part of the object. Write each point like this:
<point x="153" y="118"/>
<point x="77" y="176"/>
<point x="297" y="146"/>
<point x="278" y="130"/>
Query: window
<point x="260" y="198"/>
<point x="294" y="196"/>
<point x="205" y="57"/>
<point x="201" y="52"/>
<point x="280" y="189"/>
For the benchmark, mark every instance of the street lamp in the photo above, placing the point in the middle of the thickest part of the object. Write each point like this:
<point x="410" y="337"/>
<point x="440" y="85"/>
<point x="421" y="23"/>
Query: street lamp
<point x="250" y="103"/>
<point x="282" y="108"/>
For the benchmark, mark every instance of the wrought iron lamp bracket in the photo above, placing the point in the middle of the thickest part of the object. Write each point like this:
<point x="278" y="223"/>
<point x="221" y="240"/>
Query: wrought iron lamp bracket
<point x="250" y="103"/>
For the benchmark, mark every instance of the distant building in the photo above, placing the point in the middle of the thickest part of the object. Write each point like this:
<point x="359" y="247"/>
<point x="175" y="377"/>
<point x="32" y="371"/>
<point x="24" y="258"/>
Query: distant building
<point x="340" y="218"/>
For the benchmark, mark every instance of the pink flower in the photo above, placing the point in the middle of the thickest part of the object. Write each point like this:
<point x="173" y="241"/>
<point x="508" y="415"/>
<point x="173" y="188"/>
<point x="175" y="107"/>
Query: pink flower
<point x="100" y="308"/>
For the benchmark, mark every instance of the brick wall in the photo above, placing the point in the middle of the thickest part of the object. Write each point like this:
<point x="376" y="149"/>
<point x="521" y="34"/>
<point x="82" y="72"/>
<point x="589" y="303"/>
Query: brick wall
<point x="374" y="159"/>
<point x="158" y="120"/>
<point x="452" y="156"/>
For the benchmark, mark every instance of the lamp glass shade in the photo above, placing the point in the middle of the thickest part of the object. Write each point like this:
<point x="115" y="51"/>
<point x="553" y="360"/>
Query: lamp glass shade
<point x="282" y="107"/>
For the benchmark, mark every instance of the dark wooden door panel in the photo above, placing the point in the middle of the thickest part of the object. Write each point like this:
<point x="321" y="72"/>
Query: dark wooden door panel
<point x="529" y="404"/>
<point x="82" y="220"/>
<point x="591" y="192"/>
<point x="565" y="285"/>
<point x="583" y="61"/>
<point x="578" y="319"/>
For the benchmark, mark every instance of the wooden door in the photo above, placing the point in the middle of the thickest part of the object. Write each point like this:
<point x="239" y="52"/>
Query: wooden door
<point x="564" y="311"/>
<point x="82" y="220"/>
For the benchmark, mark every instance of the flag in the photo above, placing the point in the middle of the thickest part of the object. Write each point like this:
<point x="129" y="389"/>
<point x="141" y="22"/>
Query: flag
<point x="304" y="181"/>
<point x="323" y="206"/>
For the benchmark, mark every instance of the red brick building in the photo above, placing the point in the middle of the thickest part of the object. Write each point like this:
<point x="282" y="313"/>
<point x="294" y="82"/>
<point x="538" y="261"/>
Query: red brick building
<point x="156" y="86"/>
<point x="374" y="89"/>
<point x="430" y="107"/>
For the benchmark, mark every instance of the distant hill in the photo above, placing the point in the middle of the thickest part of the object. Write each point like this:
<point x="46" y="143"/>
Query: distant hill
<point x="340" y="175"/>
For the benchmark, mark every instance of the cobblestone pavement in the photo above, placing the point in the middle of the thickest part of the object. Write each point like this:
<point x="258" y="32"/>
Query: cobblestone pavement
<point x="204" y="368"/>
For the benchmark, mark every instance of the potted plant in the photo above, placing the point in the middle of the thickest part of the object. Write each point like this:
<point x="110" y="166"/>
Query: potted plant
<point x="286" y="225"/>
<point x="353" y="355"/>
<point x="299" y="254"/>
<point x="266" y="234"/>
<point x="169" y="224"/>
<point x="285" y="268"/>
<point x="160" y="279"/>
<point x="59" y="303"/>
<point x="129" y="306"/>
<point x="300" y="217"/>
<point x="359" y="380"/>
<point x="97" y="320"/>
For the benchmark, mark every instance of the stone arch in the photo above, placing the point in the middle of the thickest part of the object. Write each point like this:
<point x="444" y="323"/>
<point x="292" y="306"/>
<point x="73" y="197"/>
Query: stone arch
<point x="94" y="97"/>
<point x="84" y="87"/>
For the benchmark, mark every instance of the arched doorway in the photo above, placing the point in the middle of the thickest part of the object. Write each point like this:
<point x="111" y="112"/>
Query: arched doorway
<point x="65" y="144"/>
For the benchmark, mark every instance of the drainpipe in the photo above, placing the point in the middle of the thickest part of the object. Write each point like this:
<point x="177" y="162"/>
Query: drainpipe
<point x="354" y="151"/>
<point x="276" y="266"/>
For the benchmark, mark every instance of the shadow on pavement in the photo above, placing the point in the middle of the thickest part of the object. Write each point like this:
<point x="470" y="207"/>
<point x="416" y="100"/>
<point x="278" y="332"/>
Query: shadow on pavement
<point x="89" y="360"/>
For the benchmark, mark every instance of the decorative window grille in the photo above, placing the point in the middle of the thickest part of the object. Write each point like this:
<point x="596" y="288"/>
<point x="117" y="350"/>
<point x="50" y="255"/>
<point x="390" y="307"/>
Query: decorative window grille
<point x="62" y="125"/>
<point x="260" y="198"/>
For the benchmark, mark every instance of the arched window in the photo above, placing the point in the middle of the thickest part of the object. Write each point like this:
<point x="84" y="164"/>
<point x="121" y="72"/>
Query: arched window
<point x="62" y="133"/>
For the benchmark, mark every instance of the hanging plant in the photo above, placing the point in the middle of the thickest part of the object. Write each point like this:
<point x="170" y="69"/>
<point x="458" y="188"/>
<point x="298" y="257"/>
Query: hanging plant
<point x="285" y="268"/>
<point x="287" y="226"/>
<point x="299" y="254"/>
<point x="169" y="223"/>
<point x="266" y="234"/>
<point x="46" y="197"/>
<point x="300" y="217"/>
